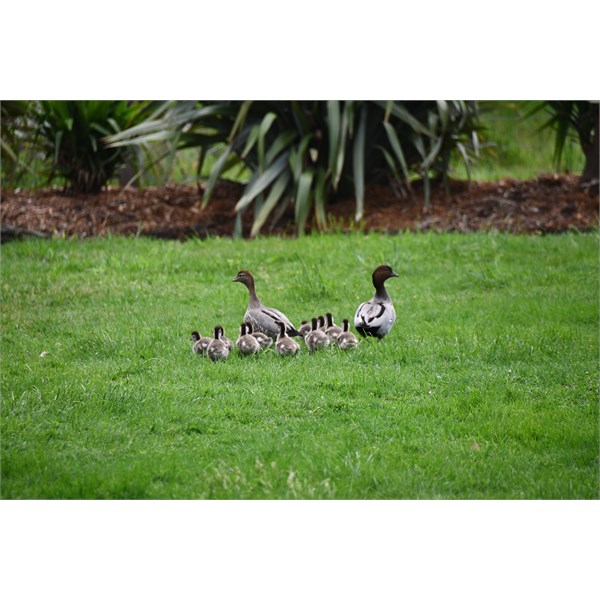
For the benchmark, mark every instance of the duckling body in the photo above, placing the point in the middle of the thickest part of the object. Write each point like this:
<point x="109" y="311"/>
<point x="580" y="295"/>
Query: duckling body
<point x="263" y="319"/>
<point x="377" y="316"/>
<point x="347" y="340"/>
<point x="333" y="330"/>
<point x="304" y="328"/>
<point x="316" y="339"/>
<point x="217" y="349"/>
<point x="262" y="338"/>
<point x="247" y="344"/>
<point x="285" y="346"/>
<point x="200" y="343"/>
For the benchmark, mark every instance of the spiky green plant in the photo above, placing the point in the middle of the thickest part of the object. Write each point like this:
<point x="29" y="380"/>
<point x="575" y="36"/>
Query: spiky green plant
<point x="71" y="134"/>
<point x="574" y="117"/>
<point x="305" y="152"/>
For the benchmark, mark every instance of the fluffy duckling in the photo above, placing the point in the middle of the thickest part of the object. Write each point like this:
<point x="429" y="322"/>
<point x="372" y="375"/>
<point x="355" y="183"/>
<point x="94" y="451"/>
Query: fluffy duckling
<point x="322" y="324"/>
<point x="262" y="318"/>
<point x="333" y="330"/>
<point x="316" y="338"/>
<point x="226" y="340"/>
<point x="247" y="344"/>
<point x="347" y="340"/>
<point x="304" y="328"/>
<point x="217" y="349"/>
<point x="376" y="316"/>
<point x="264" y="340"/>
<point x="200" y="343"/>
<point x="285" y="346"/>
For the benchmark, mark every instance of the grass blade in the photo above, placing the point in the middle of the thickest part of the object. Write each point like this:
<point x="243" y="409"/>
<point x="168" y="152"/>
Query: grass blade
<point x="359" y="163"/>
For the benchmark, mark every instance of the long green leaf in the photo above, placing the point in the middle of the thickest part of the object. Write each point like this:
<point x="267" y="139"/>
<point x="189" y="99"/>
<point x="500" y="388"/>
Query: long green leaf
<point x="282" y="141"/>
<point x="275" y="193"/>
<point x="303" y="200"/>
<point x="262" y="132"/>
<point x="215" y="172"/>
<point x="333" y="126"/>
<point x="262" y="182"/>
<point x="320" y="198"/>
<point x="396" y="147"/>
<point x="240" y="119"/>
<point x="346" y="130"/>
<point x="404" y="115"/>
<point x="359" y="163"/>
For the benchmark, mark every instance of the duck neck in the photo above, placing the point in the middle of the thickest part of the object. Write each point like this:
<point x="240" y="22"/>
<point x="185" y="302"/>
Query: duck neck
<point x="254" y="301"/>
<point x="380" y="291"/>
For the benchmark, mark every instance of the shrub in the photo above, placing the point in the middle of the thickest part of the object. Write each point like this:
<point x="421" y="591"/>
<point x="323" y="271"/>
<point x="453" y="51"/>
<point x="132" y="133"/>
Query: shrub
<point x="304" y="152"/>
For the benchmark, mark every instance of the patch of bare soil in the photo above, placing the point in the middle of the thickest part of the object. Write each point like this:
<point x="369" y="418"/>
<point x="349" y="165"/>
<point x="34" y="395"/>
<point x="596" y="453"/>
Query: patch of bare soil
<point x="546" y="204"/>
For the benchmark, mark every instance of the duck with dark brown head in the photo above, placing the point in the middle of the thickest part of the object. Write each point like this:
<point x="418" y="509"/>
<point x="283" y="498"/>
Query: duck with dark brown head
<point x="377" y="316"/>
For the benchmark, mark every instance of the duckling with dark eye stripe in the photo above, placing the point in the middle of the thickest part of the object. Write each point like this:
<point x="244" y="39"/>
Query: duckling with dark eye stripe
<point x="316" y="339"/>
<point x="200" y="343"/>
<point x="285" y="346"/>
<point x="347" y="340"/>
<point x="247" y="344"/>
<point x="333" y="330"/>
<point x="264" y="340"/>
<point x="217" y="349"/>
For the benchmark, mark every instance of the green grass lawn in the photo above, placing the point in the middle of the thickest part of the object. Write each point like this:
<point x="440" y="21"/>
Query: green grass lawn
<point x="487" y="387"/>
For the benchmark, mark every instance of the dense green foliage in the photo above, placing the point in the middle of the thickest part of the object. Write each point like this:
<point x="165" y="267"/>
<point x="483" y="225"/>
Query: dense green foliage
<point x="487" y="387"/>
<point x="302" y="152"/>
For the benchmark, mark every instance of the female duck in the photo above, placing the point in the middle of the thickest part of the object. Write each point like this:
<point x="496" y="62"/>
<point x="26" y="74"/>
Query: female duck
<point x="247" y="344"/>
<point x="316" y="338"/>
<point x="347" y="340"/>
<point x="217" y="349"/>
<point x="285" y="346"/>
<point x="262" y="318"/>
<point x="377" y="316"/>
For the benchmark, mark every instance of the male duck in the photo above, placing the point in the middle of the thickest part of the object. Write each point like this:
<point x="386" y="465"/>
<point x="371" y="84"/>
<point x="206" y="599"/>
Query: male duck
<point x="285" y="346"/>
<point x="376" y="316"/>
<point x="262" y="318"/>
<point x="247" y="344"/>
<point x="217" y="349"/>
<point x="346" y="340"/>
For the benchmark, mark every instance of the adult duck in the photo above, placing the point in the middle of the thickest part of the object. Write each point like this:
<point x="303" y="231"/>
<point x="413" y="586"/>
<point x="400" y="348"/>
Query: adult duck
<point x="376" y="316"/>
<point x="263" y="318"/>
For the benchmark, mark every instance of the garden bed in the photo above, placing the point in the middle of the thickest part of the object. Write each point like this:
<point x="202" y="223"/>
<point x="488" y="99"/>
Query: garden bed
<point x="547" y="204"/>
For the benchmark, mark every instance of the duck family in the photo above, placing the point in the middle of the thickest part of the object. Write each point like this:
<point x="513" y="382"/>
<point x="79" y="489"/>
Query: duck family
<point x="264" y="326"/>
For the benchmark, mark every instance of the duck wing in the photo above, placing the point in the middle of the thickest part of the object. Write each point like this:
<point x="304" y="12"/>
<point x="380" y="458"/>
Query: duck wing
<point x="265" y="319"/>
<point x="374" y="318"/>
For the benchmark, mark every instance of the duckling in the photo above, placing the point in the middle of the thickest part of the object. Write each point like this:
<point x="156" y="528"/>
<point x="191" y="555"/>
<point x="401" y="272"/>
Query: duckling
<point x="304" y="328"/>
<point x="285" y="346"/>
<point x="377" y="316"/>
<point x="316" y="339"/>
<point x="347" y="340"/>
<point x="322" y="324"/>
<point x="333" y="330"/>
<point x="264" y="340"/>
<point x="259" y="316"/>
<point x="200" y="343"/>
<point x="217" y="349"/>
<point x="246" y="343"/>
<point x="226" y="340"/>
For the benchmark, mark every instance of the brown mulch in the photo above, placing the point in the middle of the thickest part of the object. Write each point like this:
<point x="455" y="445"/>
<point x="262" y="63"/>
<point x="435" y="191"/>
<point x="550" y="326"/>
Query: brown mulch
<point x="549" y="203"/>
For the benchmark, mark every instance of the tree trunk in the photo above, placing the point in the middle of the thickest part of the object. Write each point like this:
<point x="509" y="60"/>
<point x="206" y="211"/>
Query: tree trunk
<point x="590" y="150"/>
